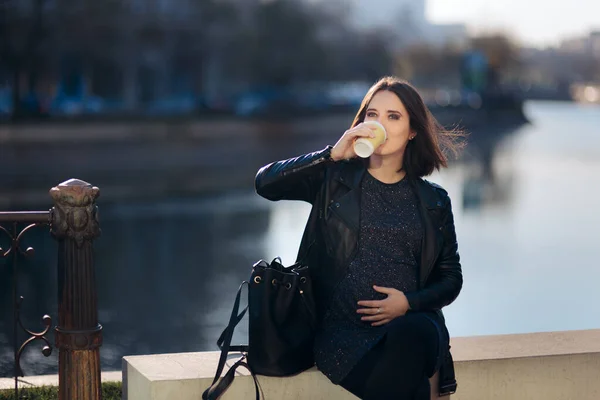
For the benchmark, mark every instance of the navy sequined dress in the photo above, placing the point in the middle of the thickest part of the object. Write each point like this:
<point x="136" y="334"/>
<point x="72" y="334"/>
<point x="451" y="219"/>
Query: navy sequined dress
<point x="390" y="239"/>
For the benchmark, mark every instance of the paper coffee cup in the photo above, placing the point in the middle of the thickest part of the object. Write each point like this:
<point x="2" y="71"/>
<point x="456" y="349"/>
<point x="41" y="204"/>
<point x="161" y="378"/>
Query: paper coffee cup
<point x="364" y="147"/>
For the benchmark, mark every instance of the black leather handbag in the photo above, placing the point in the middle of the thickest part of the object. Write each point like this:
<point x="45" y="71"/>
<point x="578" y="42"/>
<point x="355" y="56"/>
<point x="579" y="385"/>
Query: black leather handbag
<point x="281" y="324"/>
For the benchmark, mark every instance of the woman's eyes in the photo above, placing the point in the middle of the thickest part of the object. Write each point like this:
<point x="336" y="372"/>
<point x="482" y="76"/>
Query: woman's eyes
<point x="372" y="114"/>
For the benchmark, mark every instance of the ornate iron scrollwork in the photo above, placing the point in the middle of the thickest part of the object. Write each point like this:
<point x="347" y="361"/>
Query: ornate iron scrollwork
<point x="15" y="251"/>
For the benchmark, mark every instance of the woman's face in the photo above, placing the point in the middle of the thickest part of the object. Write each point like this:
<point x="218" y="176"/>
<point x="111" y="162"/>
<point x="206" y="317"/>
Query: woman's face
<point x="387" y="109"/>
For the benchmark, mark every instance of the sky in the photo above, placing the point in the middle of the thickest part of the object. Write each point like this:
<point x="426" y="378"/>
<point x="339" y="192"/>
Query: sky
<point x="536" y="23"/>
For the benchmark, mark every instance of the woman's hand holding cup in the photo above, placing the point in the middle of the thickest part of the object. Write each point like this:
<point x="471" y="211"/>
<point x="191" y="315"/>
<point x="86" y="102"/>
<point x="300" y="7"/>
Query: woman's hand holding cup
<point x="344" y="148"/>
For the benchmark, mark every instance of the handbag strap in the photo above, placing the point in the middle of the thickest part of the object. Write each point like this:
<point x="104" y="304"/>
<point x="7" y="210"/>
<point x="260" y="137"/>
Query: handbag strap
<point x="215" y="391"/>
<point x="277" y="260"/>
<point x="224" y="343"/>
<point x="242" y="348"/>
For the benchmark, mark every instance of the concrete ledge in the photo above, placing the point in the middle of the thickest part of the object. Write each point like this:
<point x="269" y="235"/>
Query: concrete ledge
<point x="548" y="366"/>
<point x="551" y="366"/>
<point x="185" y="376"/>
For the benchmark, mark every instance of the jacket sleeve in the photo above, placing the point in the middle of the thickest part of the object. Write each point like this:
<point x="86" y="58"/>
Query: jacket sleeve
<point x="445" y="282"/>
<point x="297" y="178"/>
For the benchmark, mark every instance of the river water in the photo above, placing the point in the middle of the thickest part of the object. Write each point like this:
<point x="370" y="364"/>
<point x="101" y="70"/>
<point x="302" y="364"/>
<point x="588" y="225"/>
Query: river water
<point x="525" y="207"/>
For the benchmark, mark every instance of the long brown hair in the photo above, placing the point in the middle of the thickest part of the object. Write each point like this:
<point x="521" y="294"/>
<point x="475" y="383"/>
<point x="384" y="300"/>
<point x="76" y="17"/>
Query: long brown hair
<point x="428" y="150"/>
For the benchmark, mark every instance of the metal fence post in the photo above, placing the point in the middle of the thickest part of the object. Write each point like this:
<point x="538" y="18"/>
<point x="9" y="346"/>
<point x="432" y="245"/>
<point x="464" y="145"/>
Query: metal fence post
<point x="74" y="223"/>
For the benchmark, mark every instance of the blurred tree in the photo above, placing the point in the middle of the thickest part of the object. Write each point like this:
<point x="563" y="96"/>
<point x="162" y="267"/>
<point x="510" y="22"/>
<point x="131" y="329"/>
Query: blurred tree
<point x="140" y="51"/>
<point x="21" y="39"/>
<point x="503" y="56"/>
<point x="280" y="45"/>
<point x="215" y="54"/>
<point x="429" y="67"/>
<point x="291" y="41"/>
<point x="46" y="41"/>
<point x="375" y="56"/>
<point x="500" y="50"/>
<point x="86" y="40"/>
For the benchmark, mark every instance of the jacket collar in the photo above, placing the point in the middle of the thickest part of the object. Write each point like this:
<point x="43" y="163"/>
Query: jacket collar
<point x="352" y="172"/>
<point x="347" y="206"/>
<point x="427" y="194"/>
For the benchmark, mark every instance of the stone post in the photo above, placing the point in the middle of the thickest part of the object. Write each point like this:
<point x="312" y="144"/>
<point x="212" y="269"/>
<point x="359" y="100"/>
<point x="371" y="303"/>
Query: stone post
<point x="74" y="223"/>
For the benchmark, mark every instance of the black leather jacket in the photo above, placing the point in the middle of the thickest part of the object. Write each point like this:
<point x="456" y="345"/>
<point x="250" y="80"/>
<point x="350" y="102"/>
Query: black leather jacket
<point x="330" y="238"/>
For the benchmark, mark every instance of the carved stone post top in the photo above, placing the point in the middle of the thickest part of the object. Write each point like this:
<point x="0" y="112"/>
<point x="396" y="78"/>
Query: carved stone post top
<point x="75" y="193"/>
<point x="75" y="214"/>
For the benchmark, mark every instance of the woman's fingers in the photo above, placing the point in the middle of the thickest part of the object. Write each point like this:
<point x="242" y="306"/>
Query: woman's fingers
<point x="360" y="131"/>
<point x="369" y="311"/>
<point x="372" y="314"/>
<point x="376" y="317"/>
<point x="382" y="322"/>
<point x="370" y="303"/>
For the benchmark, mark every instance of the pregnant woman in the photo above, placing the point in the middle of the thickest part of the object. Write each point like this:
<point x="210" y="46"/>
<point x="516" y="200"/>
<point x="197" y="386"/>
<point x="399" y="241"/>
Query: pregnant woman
<point x="381" y="246"/>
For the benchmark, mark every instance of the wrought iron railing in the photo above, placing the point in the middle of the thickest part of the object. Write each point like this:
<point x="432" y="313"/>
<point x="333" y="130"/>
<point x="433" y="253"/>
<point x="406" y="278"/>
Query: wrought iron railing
<point x="15" y="251"/>
<point x="73" y="221"/>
